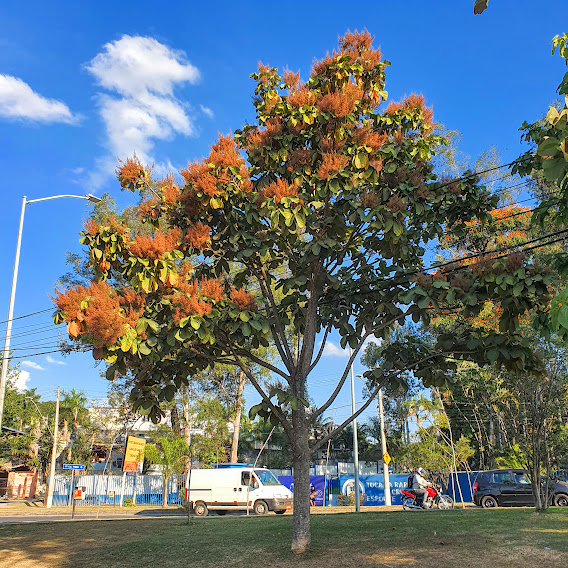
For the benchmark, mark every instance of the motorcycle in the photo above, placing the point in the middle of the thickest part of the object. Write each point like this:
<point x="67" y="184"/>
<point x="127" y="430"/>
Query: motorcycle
<point x="435" y="499"/>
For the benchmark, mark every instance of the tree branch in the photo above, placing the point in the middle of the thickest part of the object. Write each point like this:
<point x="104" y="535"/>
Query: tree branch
<point x="339" y="386"/>
<point x="278" y="333"/>
<point x="275" y="409"/>
<point x="372" y="396"/>
<point x="264" y="364"/>
<point x="316" y="360"/>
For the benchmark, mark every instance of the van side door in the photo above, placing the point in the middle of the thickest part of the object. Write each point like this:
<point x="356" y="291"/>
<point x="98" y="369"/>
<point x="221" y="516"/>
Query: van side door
<point x="245" y="489"/>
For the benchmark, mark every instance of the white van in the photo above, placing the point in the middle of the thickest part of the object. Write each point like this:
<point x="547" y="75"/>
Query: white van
<point x="229" y="488"/>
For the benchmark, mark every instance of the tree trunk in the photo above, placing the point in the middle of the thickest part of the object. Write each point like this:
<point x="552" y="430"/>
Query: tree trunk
<point x="186" y="416"/>
<point x="301" y="463"/>
<point x="237" y="421"/>
<point x="165" y="492"/>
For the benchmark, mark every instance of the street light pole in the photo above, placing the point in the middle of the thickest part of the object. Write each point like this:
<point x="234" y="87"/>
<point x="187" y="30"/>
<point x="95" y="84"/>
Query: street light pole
<point x="383" y="444"/>
<point x="51" y="479"/>
<point x="384" y="451"/>
<point x="6" y="351"/>
<point x="355" y="444"/>
<point x="44" y="418"/>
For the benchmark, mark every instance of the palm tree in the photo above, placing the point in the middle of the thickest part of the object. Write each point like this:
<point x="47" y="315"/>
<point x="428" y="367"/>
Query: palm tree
<point x="170" y="454"/>
<point x="75" y="403"/>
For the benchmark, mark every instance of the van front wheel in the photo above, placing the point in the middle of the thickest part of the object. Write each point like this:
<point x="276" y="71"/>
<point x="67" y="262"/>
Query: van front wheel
<point x="200" y="509"/>
<point x="260" y="508"/>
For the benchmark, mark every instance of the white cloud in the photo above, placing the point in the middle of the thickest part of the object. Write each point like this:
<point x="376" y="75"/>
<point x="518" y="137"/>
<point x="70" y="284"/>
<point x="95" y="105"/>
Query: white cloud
<point x="140" y="75"/>
<point x="134" y="65"/>
<point x="19" y="101"/>
<point x="21" y="383"/>
<point x="207" y="111"/>
<point x="369" y="340"/>
<point x="332" y="350"/>
<point x="53" y="361"/>
<point x="32" y="365"/>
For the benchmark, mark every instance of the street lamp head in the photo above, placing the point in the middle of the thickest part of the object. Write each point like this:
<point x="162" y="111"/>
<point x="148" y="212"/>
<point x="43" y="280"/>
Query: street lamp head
<point x="93" y="199"/>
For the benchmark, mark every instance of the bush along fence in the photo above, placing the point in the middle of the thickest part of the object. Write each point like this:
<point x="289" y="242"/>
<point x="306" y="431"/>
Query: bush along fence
<point x="332" y="490"/>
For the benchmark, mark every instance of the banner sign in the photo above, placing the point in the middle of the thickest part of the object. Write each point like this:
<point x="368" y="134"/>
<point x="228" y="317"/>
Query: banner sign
<point x="133" y="454"/>
<point x="317" y="487"/>
<point x="372" y="488"/>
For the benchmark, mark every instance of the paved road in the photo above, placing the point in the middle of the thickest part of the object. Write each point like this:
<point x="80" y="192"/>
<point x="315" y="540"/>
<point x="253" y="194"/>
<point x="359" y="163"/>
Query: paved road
<point x="46" y="518"/>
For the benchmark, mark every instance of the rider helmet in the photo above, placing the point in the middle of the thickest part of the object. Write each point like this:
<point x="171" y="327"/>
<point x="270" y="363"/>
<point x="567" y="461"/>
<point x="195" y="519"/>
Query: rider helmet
<point x="420" y="470"/>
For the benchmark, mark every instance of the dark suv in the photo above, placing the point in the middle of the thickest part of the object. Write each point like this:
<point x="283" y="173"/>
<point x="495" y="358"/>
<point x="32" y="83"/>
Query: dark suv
<point x="512" y="487"/>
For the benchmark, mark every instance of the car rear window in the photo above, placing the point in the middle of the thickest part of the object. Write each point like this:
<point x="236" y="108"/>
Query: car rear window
<point x="483" y="479"/>
<point x="503" y="478"/>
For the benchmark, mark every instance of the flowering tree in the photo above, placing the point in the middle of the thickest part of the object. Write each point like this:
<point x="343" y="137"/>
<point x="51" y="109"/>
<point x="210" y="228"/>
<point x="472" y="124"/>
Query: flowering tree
<point x="322" y="229"/>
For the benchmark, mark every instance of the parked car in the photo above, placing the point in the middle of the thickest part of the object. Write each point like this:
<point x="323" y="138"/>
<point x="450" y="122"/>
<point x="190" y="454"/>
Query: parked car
<point x="501" y="487"/>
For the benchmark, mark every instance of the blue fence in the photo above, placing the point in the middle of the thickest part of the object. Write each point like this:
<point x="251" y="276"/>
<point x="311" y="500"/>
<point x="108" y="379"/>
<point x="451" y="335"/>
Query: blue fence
<point x="372" y="488"/>
<point x="325" y="490"/>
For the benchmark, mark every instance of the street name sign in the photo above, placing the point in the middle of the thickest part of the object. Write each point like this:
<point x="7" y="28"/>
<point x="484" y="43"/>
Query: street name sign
<point x="73" y="466"/>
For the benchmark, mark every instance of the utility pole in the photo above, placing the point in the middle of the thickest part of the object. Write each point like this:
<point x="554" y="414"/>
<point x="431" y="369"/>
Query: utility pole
<point x="355" y="443"/>
<point x="51" y="479"/>
<point x="384" y="451"/>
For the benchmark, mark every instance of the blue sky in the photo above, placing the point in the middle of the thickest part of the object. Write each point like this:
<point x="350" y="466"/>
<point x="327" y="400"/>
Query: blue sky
<point x="83" y="84"/>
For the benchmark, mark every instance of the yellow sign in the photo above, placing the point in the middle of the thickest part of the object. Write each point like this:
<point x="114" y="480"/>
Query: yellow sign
<point x="386" y="458"/>
<point x="134" y="453"/>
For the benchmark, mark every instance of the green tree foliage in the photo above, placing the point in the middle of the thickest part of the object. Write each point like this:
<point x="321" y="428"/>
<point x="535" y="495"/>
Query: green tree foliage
<point x="333" y="209"/>
<point x="73" y="408"/>
<point x="549" y="166"/>
<point x="497" y="409"/>
<point x="170" y="453"/>
<point x="342" y="443"/>
<point x="277" y="454"/>
<point x="211" y="442"/>
<point x="25" y="413"/>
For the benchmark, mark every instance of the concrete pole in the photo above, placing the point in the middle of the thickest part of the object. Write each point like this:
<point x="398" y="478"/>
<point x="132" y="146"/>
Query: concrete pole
<point x="384" y="451"/>
<point x="6" y="352"/>
<point x="122" y="488"/>
<point x="355" y="444"/>
<point x="51" y="480"/>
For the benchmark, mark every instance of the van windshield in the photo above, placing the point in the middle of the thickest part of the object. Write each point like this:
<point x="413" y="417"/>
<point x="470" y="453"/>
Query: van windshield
<point x="266" y="477"/>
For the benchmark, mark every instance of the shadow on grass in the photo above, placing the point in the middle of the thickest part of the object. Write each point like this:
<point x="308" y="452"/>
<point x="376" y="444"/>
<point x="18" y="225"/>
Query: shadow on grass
<point x="448" y="539"/>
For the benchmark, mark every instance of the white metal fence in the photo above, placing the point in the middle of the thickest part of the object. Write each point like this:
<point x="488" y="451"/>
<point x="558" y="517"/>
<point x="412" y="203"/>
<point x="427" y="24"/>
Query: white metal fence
<point x="115" y="490"/>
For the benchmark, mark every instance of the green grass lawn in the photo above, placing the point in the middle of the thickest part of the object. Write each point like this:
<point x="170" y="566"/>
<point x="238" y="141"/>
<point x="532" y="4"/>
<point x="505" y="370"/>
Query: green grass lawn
<point x="465" y="539"/>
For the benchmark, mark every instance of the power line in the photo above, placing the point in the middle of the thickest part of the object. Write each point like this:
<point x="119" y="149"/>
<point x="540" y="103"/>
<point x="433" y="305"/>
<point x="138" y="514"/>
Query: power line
<point x="481" y="172"/>
<point x="459" y="262"/>
<point x="28" y="315"/>
<point x="45" y="353"/>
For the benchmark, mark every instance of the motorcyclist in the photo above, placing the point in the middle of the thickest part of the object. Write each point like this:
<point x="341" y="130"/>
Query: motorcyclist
<point x="419" y="485"/>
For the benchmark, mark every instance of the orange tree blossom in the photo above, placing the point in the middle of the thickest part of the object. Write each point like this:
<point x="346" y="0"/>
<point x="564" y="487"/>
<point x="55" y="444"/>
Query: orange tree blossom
<point x="322" y="228"/>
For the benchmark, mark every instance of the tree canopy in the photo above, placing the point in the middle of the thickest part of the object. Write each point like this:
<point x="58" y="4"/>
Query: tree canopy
<point x="315" y="219"/>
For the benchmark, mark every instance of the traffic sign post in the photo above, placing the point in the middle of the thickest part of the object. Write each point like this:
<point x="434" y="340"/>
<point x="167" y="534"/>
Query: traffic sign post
<point x="73" y="467"/>
<point x="72" y="502"/>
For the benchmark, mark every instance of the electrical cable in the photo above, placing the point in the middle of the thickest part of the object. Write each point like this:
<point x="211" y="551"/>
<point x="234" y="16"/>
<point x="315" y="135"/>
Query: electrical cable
<point x="27" y="315"/>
